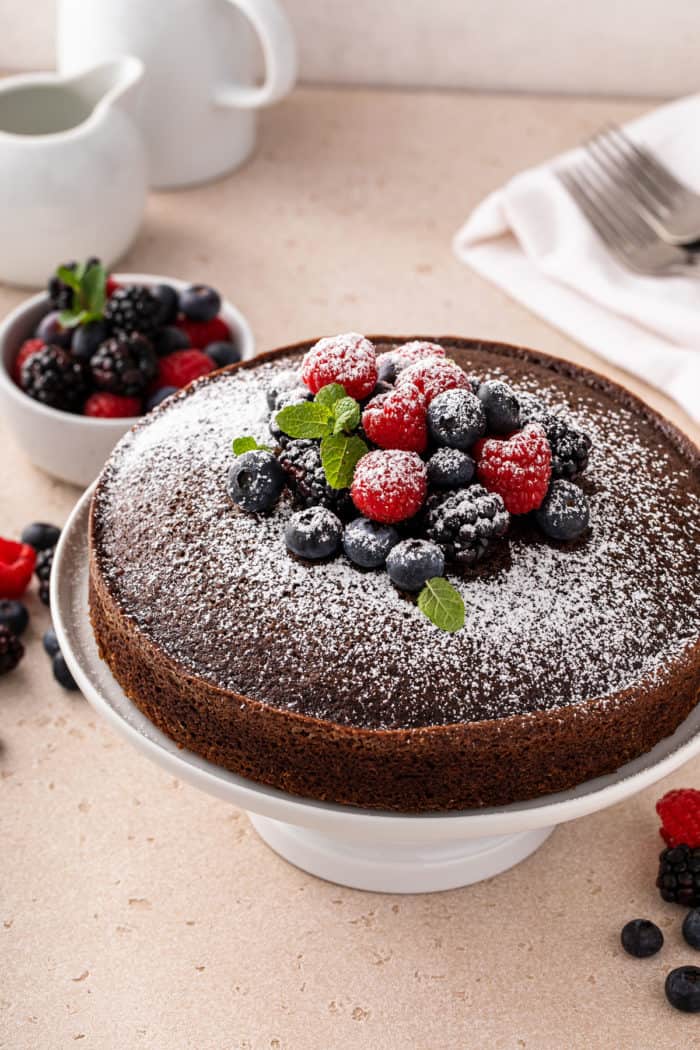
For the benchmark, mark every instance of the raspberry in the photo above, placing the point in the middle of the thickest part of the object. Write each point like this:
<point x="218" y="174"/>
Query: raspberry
<point x="433" y="376"/>
<point x="182" y="367"/>
<point x="202" y="333"/>
<point x="111" y="406"/>
<point x="680" y="817"/>
<point x="346" y="359"/>
<point x="17" y="561"/>
<point x="389" y="485"/>
<point x="111" y="286"/>
<point x="28" y="347"/>
<point x="397" y="420"/>
<point x="404" y="356"/>
<point x="518" y="468"/>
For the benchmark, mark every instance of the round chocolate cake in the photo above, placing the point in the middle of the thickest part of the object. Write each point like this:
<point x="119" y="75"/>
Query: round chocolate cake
<point x="327" y="681"/>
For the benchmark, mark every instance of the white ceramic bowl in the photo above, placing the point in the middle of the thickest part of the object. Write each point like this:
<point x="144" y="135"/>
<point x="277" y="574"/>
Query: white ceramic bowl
<point x="74" y="448"/>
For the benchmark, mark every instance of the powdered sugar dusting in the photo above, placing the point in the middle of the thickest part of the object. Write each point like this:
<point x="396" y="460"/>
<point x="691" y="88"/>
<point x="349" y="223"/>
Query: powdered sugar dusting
<point x="547" y="624"/>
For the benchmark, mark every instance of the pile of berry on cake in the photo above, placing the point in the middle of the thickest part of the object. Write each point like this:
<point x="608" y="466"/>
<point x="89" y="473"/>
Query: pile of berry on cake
<point x="111" y="350"/>
<point x="404" y="462"/>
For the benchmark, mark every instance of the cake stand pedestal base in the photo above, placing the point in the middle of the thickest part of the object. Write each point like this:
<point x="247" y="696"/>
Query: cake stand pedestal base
<point x="397" y="868"/>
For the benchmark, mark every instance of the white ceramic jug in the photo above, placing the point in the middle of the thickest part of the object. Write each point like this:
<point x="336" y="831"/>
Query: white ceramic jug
<point x="199" y="100"/>
<point x="72" y="169"/>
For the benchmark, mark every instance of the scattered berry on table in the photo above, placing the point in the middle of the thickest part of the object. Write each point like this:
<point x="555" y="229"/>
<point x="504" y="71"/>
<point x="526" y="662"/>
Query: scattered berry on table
<point x="450" y="468"/>
<point x="434" y="376"/>
<point x="28" y="347"/>
<point x="13" y="615"/>
<point x="133" y="308"/>
<point x="389" y="485"/>
<point x="641" y="938"/>
<point x="170" y="339"/>
<point x="287" y="379"/>
<point x="570" y="446"/>
<point x="500" y="405"/>
<point x="367" y="543"/>
<point x="463" y="523"/>
<point x="223" y="353"/>
<point x="87" y="340"/>
<point x="199" y="302"/>
<point x="159" y="395"/>
<point x="691" y="928"/>
<point x="104" y="405"/>
<point x="54" y="378"/>
<point x="680" y="817"/>
<point x="62" y="674"/>
<point x="125" y="365"/>
<point x="348" y="359"/>
<point x="301" y="461"/>
<point x="255" y="481"/>
<point x="411" y="563"/>
<point x="517" y="468"/>
<point x="456" y="418"/>
<point x="41" y="535"/>
<point x="168" y="303"/>
<point x="313" y="533"/>
<point x="17" y="563"/>
<point x="11" y="650"/>
<point x="678" y="880"/>
<point x="202" y="333"/>
<point x="183" y="367"/>
<point x="51" y="331"/>
<point x="45" y="592"/>
<point x="397" y="420"/>
<point x="44" y="564"/>
<point x="683" y="989"/>
<point x="50" y="642"/>
<point x="564" y="513"/>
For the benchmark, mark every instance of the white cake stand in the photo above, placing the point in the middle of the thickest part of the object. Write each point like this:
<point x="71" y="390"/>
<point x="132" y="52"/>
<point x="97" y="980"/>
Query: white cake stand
<point x="364" y="849"/>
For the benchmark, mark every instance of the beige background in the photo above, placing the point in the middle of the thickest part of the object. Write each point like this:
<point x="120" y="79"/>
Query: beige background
<point x="633" y="47"/>
<point x="136" y="912"/>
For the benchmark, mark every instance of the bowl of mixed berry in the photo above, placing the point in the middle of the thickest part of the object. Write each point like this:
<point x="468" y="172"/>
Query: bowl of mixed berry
<point x="80" y="362"/>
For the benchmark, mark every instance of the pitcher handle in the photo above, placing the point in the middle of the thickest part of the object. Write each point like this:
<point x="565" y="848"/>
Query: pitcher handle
<point x="279" y="49"/>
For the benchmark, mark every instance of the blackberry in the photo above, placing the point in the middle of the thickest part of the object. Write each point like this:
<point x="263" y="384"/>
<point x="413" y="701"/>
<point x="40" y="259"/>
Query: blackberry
<point x="679" y="875"/>
<point x="60" y="295"/>
<point x="124" y="365"/>
<point x="464" y="522"/>
<point x="301" y="461"/>
<point x="54" y="378"/>
<point x="45" y="592"/>
<point x="570" y="446"/>
<point x="44" y="563"/>
<point x="11" y="650"/>
<point x="133" y="309"/>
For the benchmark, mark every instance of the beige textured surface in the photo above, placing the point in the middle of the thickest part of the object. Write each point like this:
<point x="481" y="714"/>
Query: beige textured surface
<point x="137" y="912"/>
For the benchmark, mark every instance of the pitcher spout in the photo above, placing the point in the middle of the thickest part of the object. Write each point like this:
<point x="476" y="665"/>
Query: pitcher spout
<point x="110" y="83"/>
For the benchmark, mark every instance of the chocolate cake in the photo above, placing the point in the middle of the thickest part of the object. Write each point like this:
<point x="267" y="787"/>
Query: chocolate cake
<point x="327" y="682"/>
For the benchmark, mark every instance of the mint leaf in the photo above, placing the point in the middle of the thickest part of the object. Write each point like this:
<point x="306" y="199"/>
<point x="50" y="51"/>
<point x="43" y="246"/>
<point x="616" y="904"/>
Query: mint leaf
<point x="93" y="290"/>
<point x="329" y="394"/>
<point x="306" y="420"/>
<point x="72" y="318"/>
<point x="347" y="415"/>
<point x="339" y="456"/>
<point x="247" y="444"/>
<point x="69" y="277"/>
<point x="442" y="604"/>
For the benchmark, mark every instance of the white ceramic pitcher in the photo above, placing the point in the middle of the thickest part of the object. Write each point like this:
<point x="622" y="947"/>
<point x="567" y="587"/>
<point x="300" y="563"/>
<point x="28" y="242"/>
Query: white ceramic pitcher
<point x="199" y="99"/>
<point x="72" y="169"/>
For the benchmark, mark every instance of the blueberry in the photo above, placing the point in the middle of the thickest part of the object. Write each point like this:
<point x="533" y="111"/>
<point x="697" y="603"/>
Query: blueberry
<point x="285" y="380"/>
<point x="450" y="468"/>
<point x="62" y="674"/>
<point x="88" y="337"/>
<point x="13" y="615"/>
<point x="691" y="928"/>
<point x="255" y="481"/>
<point x="160" y="395"/>
<point x="313" y="533"/>
<point x="51" y="331"/>
<point x="501" y="406"/>
<point x="223" y="353"/>
<point x="167" y="303"/>
<point x="295" y="396"/>
<point x="412" y="562"/>
<point x="367" y="543"/>
<point x="50" y="642"/>
<point x="40" y="535"/>
<point x="641" y="938"/>
<point x="199" y="302"/>
<point x="386" y="368"/>
<point x="564" y="513"/>
<point x="456" y="418"/>
<point x="170" y="339"/>
<point x="683" y="989"/>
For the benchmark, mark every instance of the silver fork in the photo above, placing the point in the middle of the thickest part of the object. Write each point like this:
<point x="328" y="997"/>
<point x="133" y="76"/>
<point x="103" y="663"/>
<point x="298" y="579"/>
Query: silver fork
<point x="670" y="207"/>
<point x="624" y="231"/>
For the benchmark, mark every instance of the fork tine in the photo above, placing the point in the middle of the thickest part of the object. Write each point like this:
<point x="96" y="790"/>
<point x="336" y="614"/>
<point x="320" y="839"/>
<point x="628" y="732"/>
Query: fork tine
<point x="616" y="207"/>
<point x="622" y="170"/>
<point x="645" y="163"/>
<point x="598" y="219"/>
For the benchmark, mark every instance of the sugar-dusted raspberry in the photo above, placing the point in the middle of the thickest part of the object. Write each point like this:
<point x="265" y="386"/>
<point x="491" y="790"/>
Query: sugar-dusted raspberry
<point x="103" y="405"/>
<point x="408" y="353"/>
<point x="202" y="333"/>
<point x="433" y="376"/>
<point x="397" y="420"/>
<point x="182" y="367"/>
<point x="389" y="485"/>
<point x="680" y="817"/>
<point x="347" y="359"/>
<point x="518" y="468"/>
<point x="28" y="347"/>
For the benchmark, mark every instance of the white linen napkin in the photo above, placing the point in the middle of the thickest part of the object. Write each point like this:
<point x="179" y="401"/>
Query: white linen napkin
<point x="530" y="239"/>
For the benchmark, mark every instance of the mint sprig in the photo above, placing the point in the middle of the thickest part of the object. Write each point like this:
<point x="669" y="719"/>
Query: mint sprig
<point x="88" y="285"/>
<point x="308" y="419"/>
<point x="247" y="444"/>
<point x="340" y="454"/>
<point x="442" y="604"/>
<point x="332" y="417"/>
